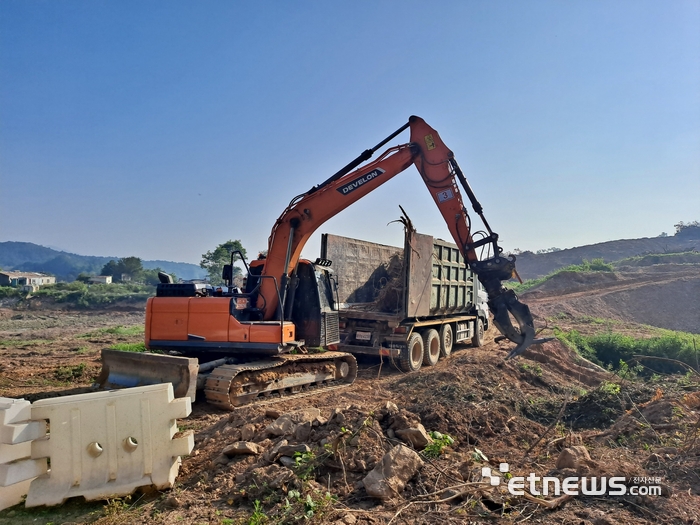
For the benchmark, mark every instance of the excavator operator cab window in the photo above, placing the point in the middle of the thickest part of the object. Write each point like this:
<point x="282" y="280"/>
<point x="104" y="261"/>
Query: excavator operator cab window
<point x="243" y="310"/>
<point x="326" y="286"/>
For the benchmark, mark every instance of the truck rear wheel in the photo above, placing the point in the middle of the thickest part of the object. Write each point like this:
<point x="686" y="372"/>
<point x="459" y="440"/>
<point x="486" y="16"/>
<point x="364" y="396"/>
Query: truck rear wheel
<point x="478" y="337"/>
<point x="431" y="347"/>
<point x="446" y="340"/>
<point x="412" y="359"/>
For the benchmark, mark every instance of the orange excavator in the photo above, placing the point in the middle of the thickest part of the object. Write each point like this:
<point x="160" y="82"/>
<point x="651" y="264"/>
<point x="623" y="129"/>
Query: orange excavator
<point x="247" y="345"/>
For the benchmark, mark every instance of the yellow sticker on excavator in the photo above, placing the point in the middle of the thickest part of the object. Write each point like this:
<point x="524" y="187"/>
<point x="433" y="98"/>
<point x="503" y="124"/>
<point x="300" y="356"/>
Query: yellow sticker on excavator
<point x="429" y="142"/>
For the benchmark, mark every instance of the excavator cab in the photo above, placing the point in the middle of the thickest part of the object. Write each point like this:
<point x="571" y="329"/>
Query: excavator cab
<point x="314" y="310"/>
<point x="308" y="301"/>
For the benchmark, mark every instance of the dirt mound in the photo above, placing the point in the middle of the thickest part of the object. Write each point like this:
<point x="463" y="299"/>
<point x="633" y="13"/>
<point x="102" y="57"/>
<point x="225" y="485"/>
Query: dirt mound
<point x="568" y="363"/>
<point x="667" y="296"/>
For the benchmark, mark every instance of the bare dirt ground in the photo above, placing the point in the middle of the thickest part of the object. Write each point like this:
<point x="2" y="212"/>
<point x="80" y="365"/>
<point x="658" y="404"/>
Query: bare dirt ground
<point x="662" y="295"/>
<point x="497" y="412"/>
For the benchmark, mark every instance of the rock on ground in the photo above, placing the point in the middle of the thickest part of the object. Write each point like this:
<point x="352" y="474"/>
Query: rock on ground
<point x="392" y="473"/>
<point x="573" y="457"/>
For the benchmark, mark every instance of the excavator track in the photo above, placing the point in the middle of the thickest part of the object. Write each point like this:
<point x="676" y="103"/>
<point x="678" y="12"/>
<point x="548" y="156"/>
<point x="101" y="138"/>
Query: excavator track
<point x="284" y="377"/>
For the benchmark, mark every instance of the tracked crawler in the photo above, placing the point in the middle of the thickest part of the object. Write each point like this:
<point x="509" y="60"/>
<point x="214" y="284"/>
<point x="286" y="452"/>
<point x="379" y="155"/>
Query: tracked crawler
<point x="287" y="376"/>
<point x="260" y="341"/>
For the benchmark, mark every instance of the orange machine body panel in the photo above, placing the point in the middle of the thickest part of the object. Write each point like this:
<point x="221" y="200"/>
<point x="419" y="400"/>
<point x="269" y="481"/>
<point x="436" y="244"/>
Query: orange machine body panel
<point x="166" y="318"/>
<point x="238" y="332"/>
<point x="208" y="318"/>
<point x="269" y="332"/>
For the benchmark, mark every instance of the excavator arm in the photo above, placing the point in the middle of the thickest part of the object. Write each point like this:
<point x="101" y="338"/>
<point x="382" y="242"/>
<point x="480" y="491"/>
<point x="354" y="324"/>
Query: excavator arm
<point x="443" y="178"/>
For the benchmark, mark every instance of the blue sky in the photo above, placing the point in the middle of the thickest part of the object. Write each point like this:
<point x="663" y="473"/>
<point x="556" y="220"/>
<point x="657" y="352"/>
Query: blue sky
<point x="161" y="129"/>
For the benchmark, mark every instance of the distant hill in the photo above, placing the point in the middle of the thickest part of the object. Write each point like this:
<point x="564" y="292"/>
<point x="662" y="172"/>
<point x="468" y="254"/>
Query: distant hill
<point x="27" y="256"/>
<point x="533" y="265"/>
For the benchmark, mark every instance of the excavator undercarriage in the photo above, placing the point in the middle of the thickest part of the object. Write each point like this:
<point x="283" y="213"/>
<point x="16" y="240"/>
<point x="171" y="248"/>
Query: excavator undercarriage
<point x="227" y="384"/>
<point x="290" y="375"/>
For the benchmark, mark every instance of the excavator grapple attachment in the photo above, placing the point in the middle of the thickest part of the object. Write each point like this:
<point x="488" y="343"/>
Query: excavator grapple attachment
<point x="503" y="307"/>
<point x="130" y="369"/>
<point x="504" y="304"/>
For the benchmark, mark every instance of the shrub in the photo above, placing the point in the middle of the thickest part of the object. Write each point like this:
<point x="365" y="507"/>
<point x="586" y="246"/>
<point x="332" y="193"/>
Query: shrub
<point x="437" y="447"/>
<point x="81" y="295"/>
<point x="7" y="292"/>
<point x="611" y="349"/>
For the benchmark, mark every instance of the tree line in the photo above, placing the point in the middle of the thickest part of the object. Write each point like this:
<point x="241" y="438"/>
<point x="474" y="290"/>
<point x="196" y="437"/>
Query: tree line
<point x="213" y="261"/>
<point x="127" y="269"/>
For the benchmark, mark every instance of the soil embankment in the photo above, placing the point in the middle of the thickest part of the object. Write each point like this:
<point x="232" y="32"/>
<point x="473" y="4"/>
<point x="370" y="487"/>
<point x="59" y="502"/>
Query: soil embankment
<point x="663" y="295"/>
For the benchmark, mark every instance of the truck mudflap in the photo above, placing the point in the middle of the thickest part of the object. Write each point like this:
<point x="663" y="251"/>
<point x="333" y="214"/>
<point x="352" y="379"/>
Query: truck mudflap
<point x="286" y="376"/>
<point x="130" y="369"/>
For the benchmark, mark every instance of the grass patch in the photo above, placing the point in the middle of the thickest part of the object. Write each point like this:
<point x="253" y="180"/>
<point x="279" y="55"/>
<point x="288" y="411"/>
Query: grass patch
<point x="599" y="320"/>
<point x="660" y="258"/>
<point x="83" y="295"/>
<point x="24" y="342"/>
<point x="115" y="330"/>
<point x="129" y="347"/>
<point x="610" y="349"/>
<point x="594" y="265"/>
<point x="535" y="370"/>
<point x="70" y="373"/>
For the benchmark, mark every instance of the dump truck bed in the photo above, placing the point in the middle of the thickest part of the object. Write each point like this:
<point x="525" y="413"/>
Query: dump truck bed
<point x="425" y="278"/>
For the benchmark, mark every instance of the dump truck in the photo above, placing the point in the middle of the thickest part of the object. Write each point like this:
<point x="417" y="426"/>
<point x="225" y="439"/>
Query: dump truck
<point x="410" y="304"/>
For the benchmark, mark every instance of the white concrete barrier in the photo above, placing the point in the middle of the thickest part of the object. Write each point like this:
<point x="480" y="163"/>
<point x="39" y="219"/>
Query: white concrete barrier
<point x="15" y="422"/>
<point x="17" y="469"/>
<point x="106" y="444"/>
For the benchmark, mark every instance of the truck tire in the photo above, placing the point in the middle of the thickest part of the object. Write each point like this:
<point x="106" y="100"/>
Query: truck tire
<point x="446" y="340"/>
<point x="412" y="359"/>
<point x="478" y="337"/>
<point x="431" y="347"/>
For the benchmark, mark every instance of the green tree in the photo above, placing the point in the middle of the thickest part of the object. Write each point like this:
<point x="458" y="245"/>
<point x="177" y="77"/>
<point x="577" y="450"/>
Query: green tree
<point x="110" y="268"/>
<point x="213" y="261"/>
<point x="130" y="266"/>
